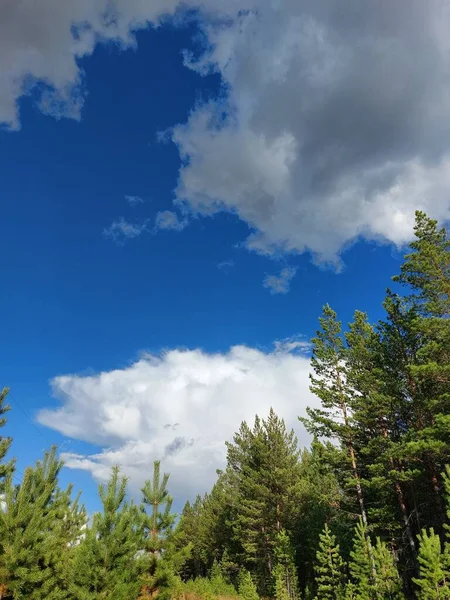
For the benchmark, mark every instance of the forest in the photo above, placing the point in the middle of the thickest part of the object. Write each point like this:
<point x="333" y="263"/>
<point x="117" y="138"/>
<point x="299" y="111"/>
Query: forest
<point x="363" y="513"/>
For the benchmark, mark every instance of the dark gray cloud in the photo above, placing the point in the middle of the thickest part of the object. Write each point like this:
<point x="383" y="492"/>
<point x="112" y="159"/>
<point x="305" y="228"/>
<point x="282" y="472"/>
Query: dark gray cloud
<point x="176" y="445"/>
<point x="338" y="122"/>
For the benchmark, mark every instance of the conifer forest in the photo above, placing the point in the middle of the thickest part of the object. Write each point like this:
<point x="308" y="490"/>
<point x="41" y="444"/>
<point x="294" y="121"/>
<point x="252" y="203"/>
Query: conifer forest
<point x="362" y="513"/>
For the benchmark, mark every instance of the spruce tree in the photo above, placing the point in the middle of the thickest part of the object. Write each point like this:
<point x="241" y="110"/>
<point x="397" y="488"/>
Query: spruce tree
<point x="107" y="564"/>
<point x="330" y="568"/>
<point x="6" y="468"/>
<point x="433" y="580"/>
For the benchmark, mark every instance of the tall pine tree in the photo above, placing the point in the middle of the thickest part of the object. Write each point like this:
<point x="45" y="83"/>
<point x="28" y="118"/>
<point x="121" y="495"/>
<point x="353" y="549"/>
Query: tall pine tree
<point x="426" y="272"/>
<point x="263" y="484"/>
<point x="330" y="383"/>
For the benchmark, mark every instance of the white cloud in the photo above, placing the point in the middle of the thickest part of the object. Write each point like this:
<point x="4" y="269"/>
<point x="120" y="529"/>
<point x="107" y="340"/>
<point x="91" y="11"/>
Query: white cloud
<point x="41" y="42"/>
<point x="295" y="343"/>
<point x="121" y="230"/>
<point x="169" y="220"/>
<point x="134" y="200"/>
<point x="280" y="284"/>
<point x="179" y="407"/>
<point x="336" y="123"/>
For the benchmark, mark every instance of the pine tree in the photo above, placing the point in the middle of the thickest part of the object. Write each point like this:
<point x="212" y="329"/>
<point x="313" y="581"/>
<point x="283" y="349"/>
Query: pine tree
<point x="361" y="567"/>
<point x="285" y="575"/>
<point x="6" y="468"/>
<point x="427" y="268"/>
<point x="187" y="533"/>
<point x="388" y="584"/>
<point x="329" y="383"/>
<point x="263" y="484"/>
<point x="246" y="586"/>
<point x="321" y="500"/>
<point x="158" y="524"/>
<point x="219" y="584"/>
<point x="67" y="524"/>
<point x="330" y="568"/>
<point x="426" y="272"/>
<point x="377" y="414"/>
<point x="433" y="582"/>
<point x="29" y="567"/>
<point x="107" y="565"/>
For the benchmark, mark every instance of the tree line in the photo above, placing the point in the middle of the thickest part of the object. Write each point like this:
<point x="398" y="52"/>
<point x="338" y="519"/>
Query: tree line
<point x="363" y="513"/>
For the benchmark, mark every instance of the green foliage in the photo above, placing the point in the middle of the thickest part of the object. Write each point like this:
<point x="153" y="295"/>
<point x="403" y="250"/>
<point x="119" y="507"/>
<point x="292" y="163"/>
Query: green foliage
<point x="284" y="573"/>
<point x="107" y="566"/>
<point x="388" y="584"/>
<point x="246" y="586"/>
<point x="331" y="382"/>
<point x="207" y="589"/>
<point x="157" y="521"/>
<point x="263" y="478"/>
<point x="361" y="564"/>
<point x="426" y="270"/>
<point x="330" y="568"/>
<point x="380" y="453"/>
<point x="6" y="468"/>
<point x="434" y="576"/>
<point x="34" y="546"/>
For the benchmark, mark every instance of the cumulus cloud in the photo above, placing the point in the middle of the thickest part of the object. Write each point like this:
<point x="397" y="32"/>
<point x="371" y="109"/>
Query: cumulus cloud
<point x="41" y="42"/>
<point x="331" y="125"/>
<point x="280" y="284"/>
<point x="169" y="220"/>
<point x="122" y="230"/>
<point x="180" y="407"/>
<point x="334" y="124"/>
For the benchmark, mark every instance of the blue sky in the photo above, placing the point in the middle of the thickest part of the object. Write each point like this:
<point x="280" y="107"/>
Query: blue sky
<point x="132" y="333"/>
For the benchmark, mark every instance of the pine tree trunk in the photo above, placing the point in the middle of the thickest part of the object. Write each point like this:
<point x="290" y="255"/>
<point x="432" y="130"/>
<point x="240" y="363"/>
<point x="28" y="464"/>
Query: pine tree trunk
<point x="404" y="511"/>
<point x="402" y="504"/>
<point x="352" y="453"/>
<point x="359" y="491"/>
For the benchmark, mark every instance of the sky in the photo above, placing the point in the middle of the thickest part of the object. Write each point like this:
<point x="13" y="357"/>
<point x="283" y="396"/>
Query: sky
<point x="183" y="186"/>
